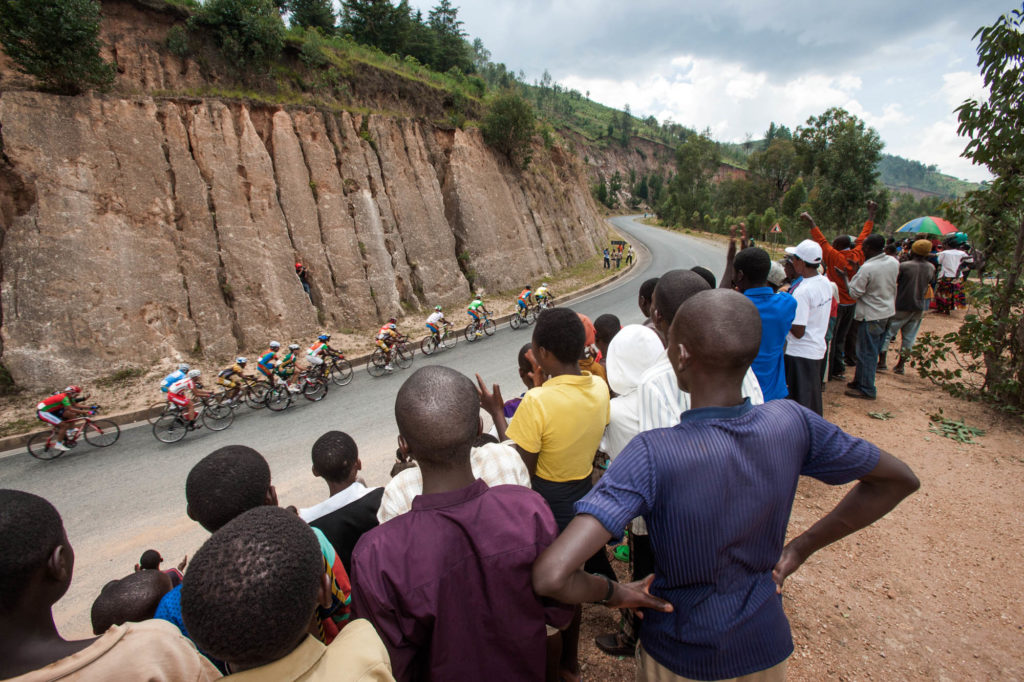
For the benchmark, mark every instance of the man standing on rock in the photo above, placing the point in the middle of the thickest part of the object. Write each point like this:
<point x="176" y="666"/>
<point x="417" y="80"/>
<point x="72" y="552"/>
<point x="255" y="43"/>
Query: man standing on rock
<point x="874" y="288"/>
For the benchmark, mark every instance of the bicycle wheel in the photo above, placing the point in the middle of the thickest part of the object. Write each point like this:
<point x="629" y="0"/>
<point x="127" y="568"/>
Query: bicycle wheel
<point x="170" y="428"/>
<point x="470" y="332"/>
<point x="489" y="327"/>
<point x="157" y="410"/>
<point x="256" y="395"/>
<point x="448" y="339"/>
<point x="279" y="398"/>
<point x="315" y="389"/>
<point x="516" y="321"/>
<point x="218" y="417"/>
<point x="341" y="372"/>
<point x="101" y="432"/>
<point x="376" y="364"/>
<point x="428" y="345"/>
<point x="41" y="447"/>
<point x="403" y="357"/>
<point x="531" y="315"/>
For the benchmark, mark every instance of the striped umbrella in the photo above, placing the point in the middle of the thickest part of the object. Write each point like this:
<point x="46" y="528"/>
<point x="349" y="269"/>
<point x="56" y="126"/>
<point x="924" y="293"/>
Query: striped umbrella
<point x="929" y="225"/>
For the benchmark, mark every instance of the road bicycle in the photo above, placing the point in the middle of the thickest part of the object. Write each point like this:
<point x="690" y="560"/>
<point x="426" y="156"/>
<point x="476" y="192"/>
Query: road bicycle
<point x="476" y="328"/>
<point x="99" y="433"/>
<point x="401" y="355"/>
<point x="523" y="317"/>
<point x="430" y="342"/>
<point x="252" y="392"/>
<point x="338" y="368"/>
<point x="216" y="414"/>
<point x="311" y="383"/>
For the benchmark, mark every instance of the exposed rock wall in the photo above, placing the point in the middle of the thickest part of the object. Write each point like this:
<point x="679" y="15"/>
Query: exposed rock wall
<point x="138" y="229"/>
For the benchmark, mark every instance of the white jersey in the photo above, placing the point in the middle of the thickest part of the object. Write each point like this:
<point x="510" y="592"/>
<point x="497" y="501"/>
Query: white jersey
<point x="181" y="385"/>
<point x="435" y="317"/>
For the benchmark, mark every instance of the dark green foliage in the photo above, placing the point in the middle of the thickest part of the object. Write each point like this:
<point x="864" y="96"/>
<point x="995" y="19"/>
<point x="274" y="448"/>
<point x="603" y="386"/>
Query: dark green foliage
<point x="318" y="14"/>
<point x="895" y="171"/>
<point x="451" y="49"/>
<point x="249" y="33"/>
<point x="509" y="126"/>
<point x="376" y="22"/>
<point x="57" y="42"/>
<point x="691" y="189"/>
<point x="178" y="41"/>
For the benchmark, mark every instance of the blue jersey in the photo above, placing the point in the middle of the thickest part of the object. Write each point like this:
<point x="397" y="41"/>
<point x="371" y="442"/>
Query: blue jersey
<point x="267" y="359"/>
<point x="175" y="376"/>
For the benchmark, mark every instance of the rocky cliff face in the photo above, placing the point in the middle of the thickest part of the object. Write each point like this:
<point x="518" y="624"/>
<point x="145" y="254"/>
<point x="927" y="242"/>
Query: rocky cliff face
<point x="138" y="229"/>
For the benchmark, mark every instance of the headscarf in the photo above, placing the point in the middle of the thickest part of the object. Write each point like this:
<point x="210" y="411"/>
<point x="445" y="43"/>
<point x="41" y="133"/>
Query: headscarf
<point x="632" y="352"/>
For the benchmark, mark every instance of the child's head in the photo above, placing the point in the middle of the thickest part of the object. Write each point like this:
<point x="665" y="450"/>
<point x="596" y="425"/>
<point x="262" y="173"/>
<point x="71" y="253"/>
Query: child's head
<point x="336" y="457"/>
<point x="525" y="365"/>
<point x="230" y="480"/>
<point x="150" y="560"/>
<point x="605" y="328"/>
<point x="558" y="339"/>
<point x="36" y="559"/>
<point x="438" y="415"/>
<point x="131" y="599"/>
<point x="250" y="593"/>
<point x="720" y="331"/>
<point x="646" y="296"/>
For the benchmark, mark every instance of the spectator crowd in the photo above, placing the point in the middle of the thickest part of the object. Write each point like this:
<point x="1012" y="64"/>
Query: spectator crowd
<point x="685" y="435"/>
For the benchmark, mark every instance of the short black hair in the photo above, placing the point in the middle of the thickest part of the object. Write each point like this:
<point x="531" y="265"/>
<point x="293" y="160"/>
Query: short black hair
<point x="150" y="560"/>
<point x="674" y="287"/>
<point x="720" y="328"/>
<point x="875" y="242"/>
<point x="438" y="415"/>
<point x="228" y="481"/>
<point x="524" y="363"/>
<point x="647" y="288"/>
<point x="708" y="276"/>
<point x="754" y="263"/>
<point x="606" y="327"/>
<point x="334" y="455"/>
<point x="484" y="439"/>
<point x="842" y="242"/>
<point x="560" y="331"/>
<point x="252" y="588"/>
<point x="131" y="599"/>
<point x="30" y="529"/>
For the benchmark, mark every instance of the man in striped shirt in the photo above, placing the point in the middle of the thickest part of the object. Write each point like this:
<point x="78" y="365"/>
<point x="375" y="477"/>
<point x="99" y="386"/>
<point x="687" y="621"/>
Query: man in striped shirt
<point x="716" y="491"/>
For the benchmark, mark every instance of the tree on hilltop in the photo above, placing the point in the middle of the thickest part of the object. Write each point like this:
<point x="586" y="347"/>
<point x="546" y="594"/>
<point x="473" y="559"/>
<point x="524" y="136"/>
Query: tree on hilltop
<point x="451" y="49"/>
<point x="318" y="14"/>
<point x="249" y="33"/>
<point x="509" y="126"/>
<point x="57" y="42"/>
<point x="376" y="22"/>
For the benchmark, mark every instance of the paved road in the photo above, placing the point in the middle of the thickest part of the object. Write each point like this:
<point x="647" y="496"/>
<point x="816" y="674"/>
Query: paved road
<point x="130" y="497"/>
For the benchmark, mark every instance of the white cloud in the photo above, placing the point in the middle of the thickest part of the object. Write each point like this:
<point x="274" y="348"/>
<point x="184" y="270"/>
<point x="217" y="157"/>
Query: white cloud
<point x="960" y="85"/>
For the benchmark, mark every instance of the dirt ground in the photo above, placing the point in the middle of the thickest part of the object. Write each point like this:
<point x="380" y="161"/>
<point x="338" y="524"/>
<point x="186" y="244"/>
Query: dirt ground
<point x="931" y="592"/>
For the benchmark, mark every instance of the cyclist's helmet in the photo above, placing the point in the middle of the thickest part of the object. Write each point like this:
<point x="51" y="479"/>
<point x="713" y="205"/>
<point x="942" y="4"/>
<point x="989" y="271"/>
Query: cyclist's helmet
<point x="241" y="360"/>
<point x="392" y="326"/>
<point x="274" y="345"/>
<point x="183" y="367"/>
<point x="544" y="284"/>
<point x="527" y="287"/>
<point x="324" y="337"/>
<point x="73" y="389"/>
<point x="392" y="321"/>
<point x="293" y="346"/>
<point x="437" y="308"/>
<point x="193" y="374"/>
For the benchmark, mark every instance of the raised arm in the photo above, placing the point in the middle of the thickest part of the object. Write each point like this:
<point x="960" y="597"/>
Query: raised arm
<point x="730" y="255"/>
<point x="873" y="497"/>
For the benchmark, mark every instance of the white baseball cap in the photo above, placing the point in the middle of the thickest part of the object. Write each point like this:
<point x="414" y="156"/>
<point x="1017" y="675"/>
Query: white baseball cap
<point x="808" y="251"/>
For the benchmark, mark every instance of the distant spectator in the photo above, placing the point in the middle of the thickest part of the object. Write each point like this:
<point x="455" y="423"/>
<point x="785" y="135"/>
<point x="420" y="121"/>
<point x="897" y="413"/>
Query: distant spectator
<point x="36" y="565"/>
<point x="630" y="255"/>
<point x="303" y="275"/>
<point x="874" y="288"/>
<point x="805" y="344"/>
<point x="949" y="292"/>
<point x="911" y="289"/>
<point x="777" y="311"/>
<point x="605" y="328"/>
<point x="151" y="560"/>
<point x="351" y="509"/>
<point x="131" y="599"/>
<point x="618" y="257"/>
<point x="250" y="596"/>
<point x="427" y="613"/>
<point x="607" y="259"/>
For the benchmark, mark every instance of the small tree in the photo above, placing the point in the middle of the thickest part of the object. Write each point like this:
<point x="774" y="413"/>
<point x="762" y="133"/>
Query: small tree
<point x="249" y="33"/>
<point x="509" y="126"/>
<point x="57" y="42"/>
<point x="318" y="14"/>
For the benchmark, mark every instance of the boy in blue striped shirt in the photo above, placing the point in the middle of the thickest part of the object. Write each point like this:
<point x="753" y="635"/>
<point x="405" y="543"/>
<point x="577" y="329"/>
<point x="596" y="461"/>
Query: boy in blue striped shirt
<point x="716" y="492"/>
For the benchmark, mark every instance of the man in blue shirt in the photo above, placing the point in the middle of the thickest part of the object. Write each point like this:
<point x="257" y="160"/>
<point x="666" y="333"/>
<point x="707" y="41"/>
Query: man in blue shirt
<point x="716" y="492"/>
<point x="777" y="310"/>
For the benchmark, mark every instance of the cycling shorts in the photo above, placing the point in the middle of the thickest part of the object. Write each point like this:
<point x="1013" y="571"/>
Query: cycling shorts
<point x="179" y="399"/>
<point x="314" y="360"/>
<point x="51" y="417"/>
<point x="285" y="372"/>
<point x="384" y="345"/>
<point x="473" y="315"/>
<point x="229" y="382"/>
<point x="265" y="371"/>
<point x="432" y="327"/>
<point x="521" y="303"/>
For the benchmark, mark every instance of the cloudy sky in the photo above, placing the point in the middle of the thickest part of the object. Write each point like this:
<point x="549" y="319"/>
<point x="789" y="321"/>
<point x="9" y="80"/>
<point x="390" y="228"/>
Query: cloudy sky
<point x="735" y="65"/>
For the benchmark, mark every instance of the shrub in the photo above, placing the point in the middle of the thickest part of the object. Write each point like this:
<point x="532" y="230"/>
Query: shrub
<point x="249" y="33"/>
<point x="509" y="126"/>
<point x="178" y="41"/>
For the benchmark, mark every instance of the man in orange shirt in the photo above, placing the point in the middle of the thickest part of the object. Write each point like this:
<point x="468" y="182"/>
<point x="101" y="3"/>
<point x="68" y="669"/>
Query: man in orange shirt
<point x="841" y="259"/>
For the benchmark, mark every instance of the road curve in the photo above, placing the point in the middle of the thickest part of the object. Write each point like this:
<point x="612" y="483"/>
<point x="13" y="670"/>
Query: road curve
<point x="119" y="501"/>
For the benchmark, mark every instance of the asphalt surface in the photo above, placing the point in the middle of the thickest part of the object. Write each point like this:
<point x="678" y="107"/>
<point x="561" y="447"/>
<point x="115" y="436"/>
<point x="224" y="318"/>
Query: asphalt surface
<point x="119" y="501"/>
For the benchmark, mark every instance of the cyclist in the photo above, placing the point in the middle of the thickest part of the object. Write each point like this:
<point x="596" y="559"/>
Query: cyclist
<point x="320" y="347"/>
<point x="476" y="307"/>
<point x="524" y="299"/>
<point x="387" y="337"/>
<point x="173" y="376"/>
<point x="178" y="395"/>
<point x="266" y="362"/>
<point x="286" y="368"/>
<point x="435" y="321"/>
<point x="58" y="409"/>
<point x="542" y="295"/>
<point x="232" y="377"/>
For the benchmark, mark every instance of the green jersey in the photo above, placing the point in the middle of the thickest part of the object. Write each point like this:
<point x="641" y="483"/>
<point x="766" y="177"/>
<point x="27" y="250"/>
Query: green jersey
<point x="477" y="304"/>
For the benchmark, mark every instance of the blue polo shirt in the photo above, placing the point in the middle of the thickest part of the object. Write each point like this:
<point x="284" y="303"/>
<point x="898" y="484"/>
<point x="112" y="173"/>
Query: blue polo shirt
<point x="716" y="491"/>
<point x="777" y="312"/>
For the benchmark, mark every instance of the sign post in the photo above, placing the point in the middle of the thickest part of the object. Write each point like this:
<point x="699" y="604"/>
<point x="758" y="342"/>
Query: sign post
<point x="776" y="229"/>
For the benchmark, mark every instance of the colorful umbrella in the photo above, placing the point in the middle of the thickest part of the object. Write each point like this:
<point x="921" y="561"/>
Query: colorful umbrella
<point x="929" y="225"/>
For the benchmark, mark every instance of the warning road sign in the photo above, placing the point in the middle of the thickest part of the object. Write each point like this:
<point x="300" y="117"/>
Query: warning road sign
<point x="775" y="229"/>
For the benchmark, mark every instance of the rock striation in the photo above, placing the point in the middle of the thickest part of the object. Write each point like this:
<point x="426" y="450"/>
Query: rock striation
<point x="138" y="229"/>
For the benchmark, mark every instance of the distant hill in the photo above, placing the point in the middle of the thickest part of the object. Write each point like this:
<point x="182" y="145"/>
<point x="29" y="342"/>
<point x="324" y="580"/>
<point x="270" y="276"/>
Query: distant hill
<point x="913" y="177"/>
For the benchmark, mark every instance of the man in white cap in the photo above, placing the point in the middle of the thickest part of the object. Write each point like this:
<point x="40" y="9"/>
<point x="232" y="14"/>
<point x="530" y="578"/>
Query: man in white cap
<point x="805" y="345"/>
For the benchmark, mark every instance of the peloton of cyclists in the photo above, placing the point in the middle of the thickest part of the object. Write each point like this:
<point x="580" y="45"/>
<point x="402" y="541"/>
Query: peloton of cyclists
<point x="178" y="394"/>
<point x="387" y="337"/>
<point x="58" y="409"/>
<point x="475" y="309"/>
<point x="434" y="322"/>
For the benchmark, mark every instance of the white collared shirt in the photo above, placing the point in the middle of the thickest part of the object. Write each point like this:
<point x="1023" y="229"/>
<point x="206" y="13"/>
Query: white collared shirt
<point x="335" y="502"/>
